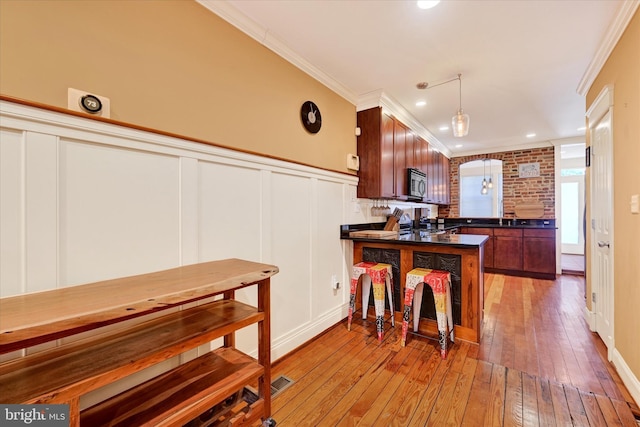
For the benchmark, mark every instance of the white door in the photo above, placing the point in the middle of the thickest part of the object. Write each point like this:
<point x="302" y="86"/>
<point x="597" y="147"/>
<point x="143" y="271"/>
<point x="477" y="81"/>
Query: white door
<point x="602" y="223"/>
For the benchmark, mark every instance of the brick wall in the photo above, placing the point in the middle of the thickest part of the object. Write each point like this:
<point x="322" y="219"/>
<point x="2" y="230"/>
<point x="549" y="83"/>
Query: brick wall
<point x="515" y="190"/>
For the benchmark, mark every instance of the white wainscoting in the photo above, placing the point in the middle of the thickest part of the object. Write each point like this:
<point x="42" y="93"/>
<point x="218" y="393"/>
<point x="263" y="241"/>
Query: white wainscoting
<point x="83" y="201"/>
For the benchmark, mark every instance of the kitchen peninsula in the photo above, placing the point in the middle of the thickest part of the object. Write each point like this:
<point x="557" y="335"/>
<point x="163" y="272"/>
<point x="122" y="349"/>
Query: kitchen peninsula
<point x="461" y="255"/>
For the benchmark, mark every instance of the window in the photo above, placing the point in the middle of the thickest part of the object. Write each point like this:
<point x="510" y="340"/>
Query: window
<point x="474" y="204"/>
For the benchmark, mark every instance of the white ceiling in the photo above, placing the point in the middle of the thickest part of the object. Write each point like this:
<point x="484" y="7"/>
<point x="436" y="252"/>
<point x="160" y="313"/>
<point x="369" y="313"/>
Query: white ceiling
<point x="526" y="65"/>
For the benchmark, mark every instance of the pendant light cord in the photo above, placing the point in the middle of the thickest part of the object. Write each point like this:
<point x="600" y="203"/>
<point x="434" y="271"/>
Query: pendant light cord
<point x="460" y="88"/>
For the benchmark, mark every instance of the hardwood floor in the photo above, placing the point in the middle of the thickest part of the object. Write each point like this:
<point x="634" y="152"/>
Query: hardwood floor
<point x="572" y="264"/>
<point x="538" y="364"/>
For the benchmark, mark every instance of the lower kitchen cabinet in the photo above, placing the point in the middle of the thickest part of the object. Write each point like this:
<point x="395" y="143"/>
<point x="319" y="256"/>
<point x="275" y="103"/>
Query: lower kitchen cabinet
<point x="528" y="252"/>
<point x="488" y="246"/>
<point x="507" y="249"/>
<point x="539" y="251"/>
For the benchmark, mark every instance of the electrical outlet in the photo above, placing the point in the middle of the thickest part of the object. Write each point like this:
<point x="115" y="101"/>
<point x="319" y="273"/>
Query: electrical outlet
<point x="335" y="284"/>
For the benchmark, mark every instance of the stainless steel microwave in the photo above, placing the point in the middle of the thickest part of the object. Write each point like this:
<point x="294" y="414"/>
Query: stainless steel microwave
<point x="417" y="183"/>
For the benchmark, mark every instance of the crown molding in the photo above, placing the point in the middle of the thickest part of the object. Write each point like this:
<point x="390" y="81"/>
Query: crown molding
<point x="262" y="35"/>
<point x="609" y="42"/>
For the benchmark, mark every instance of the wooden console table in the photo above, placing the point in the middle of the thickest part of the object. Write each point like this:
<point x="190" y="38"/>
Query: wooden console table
<point x="64" y="373"/>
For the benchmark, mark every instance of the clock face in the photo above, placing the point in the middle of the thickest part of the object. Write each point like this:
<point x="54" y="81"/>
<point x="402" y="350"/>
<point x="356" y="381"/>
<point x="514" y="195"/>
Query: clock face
<point x="310" y="116"/>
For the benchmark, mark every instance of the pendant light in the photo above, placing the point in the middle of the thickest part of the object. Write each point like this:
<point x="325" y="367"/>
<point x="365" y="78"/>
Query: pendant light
<point x="490" y="183"/>
<point x="484" y="189"/>
<point x="460" y="122"/>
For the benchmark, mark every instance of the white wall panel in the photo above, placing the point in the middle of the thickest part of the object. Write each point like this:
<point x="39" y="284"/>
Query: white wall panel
<point x="291" y="252"/>
<point x="83" y="201"/>
<point x="119" y="212"/>
<point x="230" y="211"/>
<point x="41" y="219"/>
<point x="188" y="211"/>
<point x="327" y="250"/>
<point x="11" y="213"/>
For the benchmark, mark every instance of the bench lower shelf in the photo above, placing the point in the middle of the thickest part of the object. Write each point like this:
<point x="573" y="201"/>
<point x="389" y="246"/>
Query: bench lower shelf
<point x="176" y="397"/>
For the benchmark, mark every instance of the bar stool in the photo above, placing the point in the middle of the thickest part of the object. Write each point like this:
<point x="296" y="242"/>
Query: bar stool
<point x="380" y="274"/>
<point x="440" y="282"/>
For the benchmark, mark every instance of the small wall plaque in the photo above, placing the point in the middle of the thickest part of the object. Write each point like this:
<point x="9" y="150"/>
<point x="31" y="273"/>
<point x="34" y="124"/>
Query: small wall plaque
<point x="528" y="170"/>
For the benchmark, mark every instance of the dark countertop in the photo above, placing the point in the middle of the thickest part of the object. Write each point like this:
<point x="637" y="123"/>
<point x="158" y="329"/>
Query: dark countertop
<point x="451" y="223"/>
<point x="417" y="237"/>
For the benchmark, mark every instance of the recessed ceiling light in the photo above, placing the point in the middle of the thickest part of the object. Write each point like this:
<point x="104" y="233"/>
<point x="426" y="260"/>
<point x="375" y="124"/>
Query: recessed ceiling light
<point x="530" y="135"/>
<point x="443" y="128"/>
<point x="421" y="103"/>
<point x="581" y="129"/>
<point x="427" y="4"/>
<point x="458" y="145"/>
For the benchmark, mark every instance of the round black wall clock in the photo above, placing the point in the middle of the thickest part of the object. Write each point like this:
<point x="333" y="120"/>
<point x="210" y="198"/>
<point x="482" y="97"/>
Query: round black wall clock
<point x="310" y="116"/>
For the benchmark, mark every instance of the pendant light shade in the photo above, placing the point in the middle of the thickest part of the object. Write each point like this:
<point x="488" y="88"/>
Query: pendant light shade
<point x="484" y="189"/>
<point x="460" y="122"/>
<point x="490" y="183"/>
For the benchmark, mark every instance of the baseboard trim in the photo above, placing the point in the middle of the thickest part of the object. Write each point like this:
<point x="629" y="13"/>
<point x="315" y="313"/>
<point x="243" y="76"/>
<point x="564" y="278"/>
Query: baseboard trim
<point x="626" y="375"/>
<point x="283" y="345"/>
<point x="589" y="317"/>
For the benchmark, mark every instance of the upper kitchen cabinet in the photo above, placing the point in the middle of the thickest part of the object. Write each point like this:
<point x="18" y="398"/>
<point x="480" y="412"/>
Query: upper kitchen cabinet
<point x="387" y="148"/>
<point x="375" y="149"/>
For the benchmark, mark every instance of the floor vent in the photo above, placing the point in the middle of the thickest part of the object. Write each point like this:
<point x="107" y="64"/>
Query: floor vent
<point x="250" y="395"/>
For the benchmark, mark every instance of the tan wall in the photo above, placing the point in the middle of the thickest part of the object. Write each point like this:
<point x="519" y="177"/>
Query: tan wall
<point x="172" y="66"/>
<point x="515" y="190"/>
<point x="622" y="69"/>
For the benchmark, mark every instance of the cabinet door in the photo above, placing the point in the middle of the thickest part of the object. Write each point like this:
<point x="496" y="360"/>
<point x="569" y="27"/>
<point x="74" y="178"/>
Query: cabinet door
<point x="427" y="164"/>
<point x="387" y="179"/>
<point x="437" y="177"/>
<point x="410" y="150"/>
<point x="399" y="162"/>
<point x="539" y="251"/>
<point x="488" y="246"/>
<point x="507" y="249"/>
<point x="422" y="158"/>
<point x="446" y="181"/>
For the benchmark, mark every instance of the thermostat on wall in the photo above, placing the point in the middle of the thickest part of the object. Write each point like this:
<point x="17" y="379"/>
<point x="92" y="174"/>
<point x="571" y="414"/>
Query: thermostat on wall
<point x="86" y="102"/>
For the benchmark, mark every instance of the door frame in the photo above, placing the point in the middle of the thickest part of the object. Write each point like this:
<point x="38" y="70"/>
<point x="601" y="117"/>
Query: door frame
<point x="602" y="105"/>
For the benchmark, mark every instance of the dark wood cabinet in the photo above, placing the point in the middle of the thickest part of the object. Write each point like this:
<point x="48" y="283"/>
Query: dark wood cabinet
<point x="445" y="166"/>
<point x="375" y="149"/>
<point x="399" y="159"/>
<point x="507" y="249"/>
<point x="539" y="251"/>
<point x="529" y="252"/>
<point x="386" y="148"/>
<point x="488" y="246"/>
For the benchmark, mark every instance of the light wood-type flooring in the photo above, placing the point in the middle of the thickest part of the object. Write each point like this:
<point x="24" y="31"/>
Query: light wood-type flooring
<point x="538" y="365"/>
